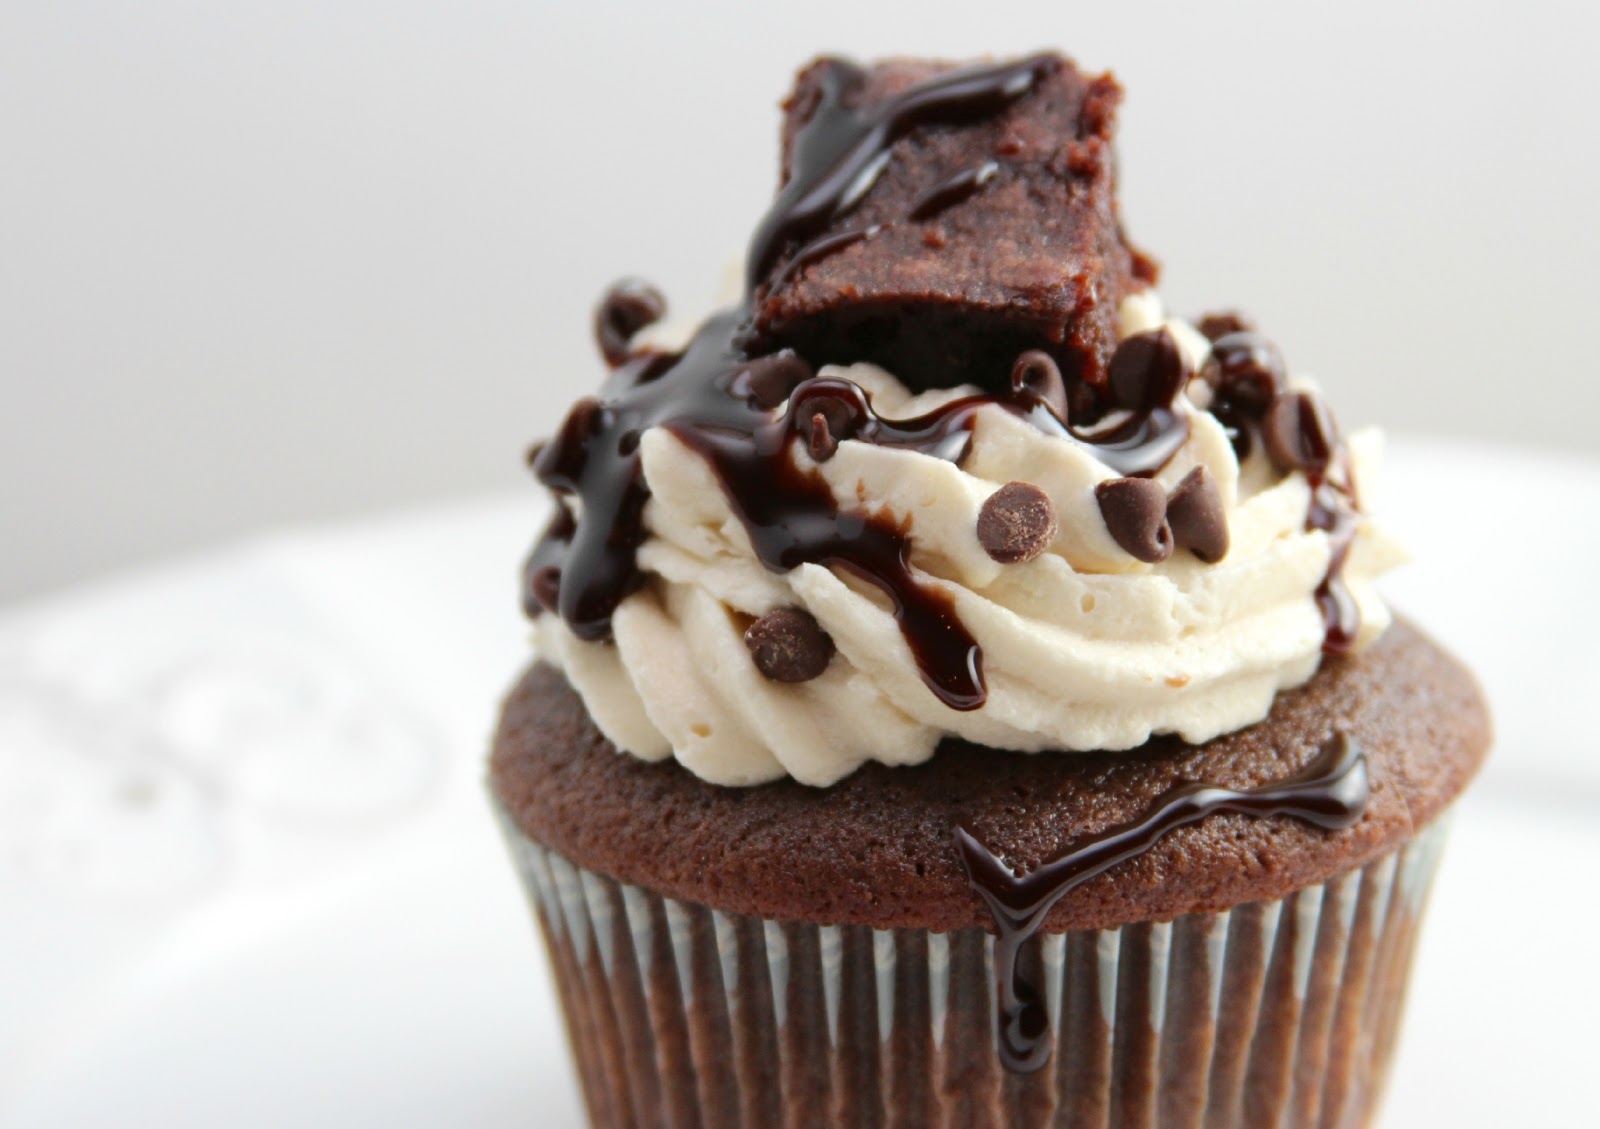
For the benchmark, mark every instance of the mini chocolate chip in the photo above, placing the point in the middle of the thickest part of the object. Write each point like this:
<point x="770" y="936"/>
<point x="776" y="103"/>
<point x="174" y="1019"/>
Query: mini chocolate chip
<point x="627" y="307"/>
<point x="766" y="382"/>
<point x="546" y="584"/>
<point x="1195" y="513"/>
<point x="1135" y="513"/>
<point x="584" y="419"/>
<point x="789" y="645"/>
<point x="1246" y="369"/>
<point x="830" y="420"/>
<point x="1223" y="322"/>
<point x="1017" y="523"/>
<point x="1147" y="371"/>
<point x="1036" y="373"/>
<point x="1300" y="433"/>
<point x="532" y="457"/>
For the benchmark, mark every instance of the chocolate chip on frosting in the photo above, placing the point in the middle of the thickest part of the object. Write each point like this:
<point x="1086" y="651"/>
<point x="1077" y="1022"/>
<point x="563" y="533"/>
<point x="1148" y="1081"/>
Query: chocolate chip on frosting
<point x="546" y="587"/>
<point x="1036" y="372"/>
<point x="823" y="442"/>
<point x="1017" y="523"/>
<point x="832" y="420"/>
<point x="1196" y="516"/>
<point x="789" y="645"/>
<point x="1300" y="433"/>
<point x="1147" y="370"/>
<point x="584" y="419"/>
<point x="1246" y="369"/>
<point x="767" y="381"/>
<point x="627" y="307"/>
<point x="1135" y="513"/>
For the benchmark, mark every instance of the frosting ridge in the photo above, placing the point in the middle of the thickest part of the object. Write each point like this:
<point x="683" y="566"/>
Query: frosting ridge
<point x="1084" y="647"/>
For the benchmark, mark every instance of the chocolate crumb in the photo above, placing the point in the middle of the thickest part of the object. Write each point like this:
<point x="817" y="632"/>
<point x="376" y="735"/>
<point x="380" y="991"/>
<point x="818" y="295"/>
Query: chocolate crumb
<point x="546" y="587"/>
<point x="1195" y="514"/>
<point x="627" y="307"/>
<point x="767" y="381"/>
<point x="1017" y="523"/>
<point x="789" y="645"/>
<point x="1147" y="371"/>
<point x="1300" y="433"/>
<point x="1223" y="322"/>
<point x="1135" y="513"/>
<point x="1037" y="372"/>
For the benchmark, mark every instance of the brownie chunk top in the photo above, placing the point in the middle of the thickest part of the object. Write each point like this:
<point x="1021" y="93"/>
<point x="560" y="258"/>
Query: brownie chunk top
<point x="974" y="237"/>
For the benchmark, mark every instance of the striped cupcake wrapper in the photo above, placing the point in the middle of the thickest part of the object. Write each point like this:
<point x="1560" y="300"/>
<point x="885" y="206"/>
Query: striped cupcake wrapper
<point x="1278" y="1013"/>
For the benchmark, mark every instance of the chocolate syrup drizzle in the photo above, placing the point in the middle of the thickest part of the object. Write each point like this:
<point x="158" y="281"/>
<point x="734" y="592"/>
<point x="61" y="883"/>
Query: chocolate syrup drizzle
<point x="841" y="152"/>
<point x="1331" y="792"/>
<point x="1247" y="375"/>
<point x="585" y="564"/>
<point x="952" y="190"/>
<point x="1334" y="509"/>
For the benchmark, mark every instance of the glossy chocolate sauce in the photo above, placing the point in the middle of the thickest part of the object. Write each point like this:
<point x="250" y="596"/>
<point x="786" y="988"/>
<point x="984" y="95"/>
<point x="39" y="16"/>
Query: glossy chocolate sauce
<point x="1247" y="376"/>
<point x="951" y="191"/>
<point x="710" y="398"/>
<point x="842" y="150"/>
<point x="1331" y="793"/>
<point x="1333" y="509"/>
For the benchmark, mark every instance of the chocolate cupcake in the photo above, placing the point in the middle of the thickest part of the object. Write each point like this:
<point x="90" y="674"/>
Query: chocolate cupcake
<point x="963" y="698"/>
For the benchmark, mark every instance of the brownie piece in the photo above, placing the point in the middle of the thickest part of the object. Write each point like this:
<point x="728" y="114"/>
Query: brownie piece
<point x="990" y="235"/>
<point x="877" y="848"/>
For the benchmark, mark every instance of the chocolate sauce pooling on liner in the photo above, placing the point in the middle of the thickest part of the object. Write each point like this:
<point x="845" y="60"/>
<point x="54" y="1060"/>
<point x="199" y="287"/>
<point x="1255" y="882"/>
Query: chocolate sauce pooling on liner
<point x="1331" y="793"/>
<point x="585" y="564"/>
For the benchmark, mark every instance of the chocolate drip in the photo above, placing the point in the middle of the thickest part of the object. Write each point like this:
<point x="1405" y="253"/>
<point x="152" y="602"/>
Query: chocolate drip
<point x="720" y="395"/>
<point x="841" y="152"/>
<point x="1250" y="398"/>
<point x="821" y="247"/>
<point x="1331" y="793"/>
<point x="792" y="519"/>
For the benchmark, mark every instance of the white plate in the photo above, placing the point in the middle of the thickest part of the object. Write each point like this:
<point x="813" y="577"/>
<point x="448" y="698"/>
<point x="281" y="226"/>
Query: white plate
<point x="199" y="930"/>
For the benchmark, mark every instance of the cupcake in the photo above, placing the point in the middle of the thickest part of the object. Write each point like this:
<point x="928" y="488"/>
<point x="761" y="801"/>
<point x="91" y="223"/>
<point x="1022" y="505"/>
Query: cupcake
<point x="962" y="697"/>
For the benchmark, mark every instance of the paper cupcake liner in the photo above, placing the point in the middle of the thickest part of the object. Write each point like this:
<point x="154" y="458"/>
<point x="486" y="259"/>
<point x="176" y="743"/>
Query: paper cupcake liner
<point x="1277" y="1013"/>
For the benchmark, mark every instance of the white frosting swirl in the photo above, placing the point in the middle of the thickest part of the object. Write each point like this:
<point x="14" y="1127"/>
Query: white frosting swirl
<point x="1083" y="647"/>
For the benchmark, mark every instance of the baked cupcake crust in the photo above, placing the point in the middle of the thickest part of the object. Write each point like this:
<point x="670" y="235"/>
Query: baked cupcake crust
<point x="877" y="848"/>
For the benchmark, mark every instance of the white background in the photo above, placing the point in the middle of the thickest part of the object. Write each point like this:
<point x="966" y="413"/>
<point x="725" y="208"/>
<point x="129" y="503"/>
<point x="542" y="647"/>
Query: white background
<point x="267" y="262"/>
